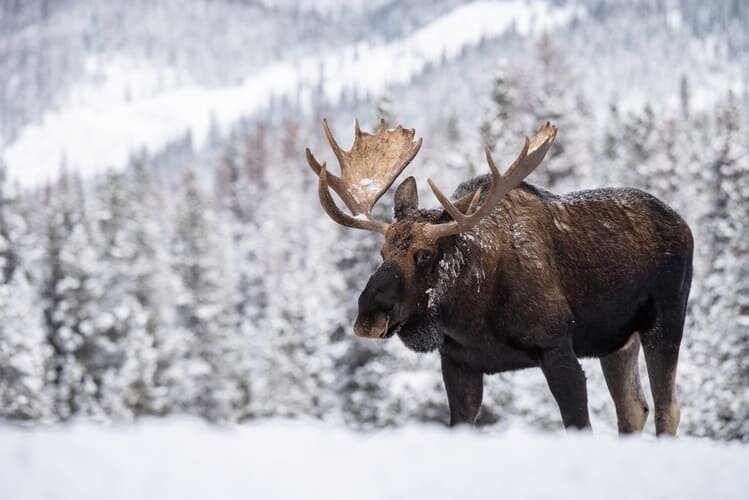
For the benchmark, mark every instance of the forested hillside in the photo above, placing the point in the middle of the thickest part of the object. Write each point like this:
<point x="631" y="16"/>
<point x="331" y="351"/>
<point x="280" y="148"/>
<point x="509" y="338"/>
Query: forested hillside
<point x="202" y="277"/>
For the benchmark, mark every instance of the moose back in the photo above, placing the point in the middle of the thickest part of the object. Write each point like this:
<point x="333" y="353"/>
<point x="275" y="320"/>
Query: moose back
<point x="508" y="276"/>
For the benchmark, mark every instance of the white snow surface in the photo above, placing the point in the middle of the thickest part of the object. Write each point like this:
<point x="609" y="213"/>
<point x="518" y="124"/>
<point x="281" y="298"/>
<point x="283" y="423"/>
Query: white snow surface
<point x="186" y="459"/>
<point x="127" y="112"/>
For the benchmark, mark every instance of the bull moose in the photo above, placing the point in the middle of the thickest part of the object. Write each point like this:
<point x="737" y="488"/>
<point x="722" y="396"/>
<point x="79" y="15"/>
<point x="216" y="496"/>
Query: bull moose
<point x="509" y="276"/>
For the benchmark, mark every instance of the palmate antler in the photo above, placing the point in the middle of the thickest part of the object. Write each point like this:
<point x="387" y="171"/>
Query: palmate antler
<point x="530" y="157"/>
<point x="374" y="161"/>
<point x="368" y="170"/>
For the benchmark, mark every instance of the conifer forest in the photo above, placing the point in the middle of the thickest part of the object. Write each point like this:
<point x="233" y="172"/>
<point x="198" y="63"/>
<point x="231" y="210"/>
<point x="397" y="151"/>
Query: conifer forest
<point x="163" y="251"/>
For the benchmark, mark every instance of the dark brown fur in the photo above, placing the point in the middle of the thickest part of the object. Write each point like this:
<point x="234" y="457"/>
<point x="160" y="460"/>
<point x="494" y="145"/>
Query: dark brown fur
<point x="542" y="281"/>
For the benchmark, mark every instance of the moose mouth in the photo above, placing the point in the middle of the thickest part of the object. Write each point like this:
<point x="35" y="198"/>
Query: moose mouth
<point x="376" y="328"/>
<point x="393" y="329"/>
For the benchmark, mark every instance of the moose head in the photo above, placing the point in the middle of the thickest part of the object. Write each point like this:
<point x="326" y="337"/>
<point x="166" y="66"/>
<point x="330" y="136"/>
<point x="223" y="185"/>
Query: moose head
<point x="396" y="298"/>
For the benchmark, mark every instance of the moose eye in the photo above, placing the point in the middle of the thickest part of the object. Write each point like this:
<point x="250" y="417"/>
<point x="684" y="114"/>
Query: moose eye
<point x="424" y="257"/>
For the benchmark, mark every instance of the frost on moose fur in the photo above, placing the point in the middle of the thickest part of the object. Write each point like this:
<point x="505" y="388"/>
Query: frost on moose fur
<point x="455" y="267"/>
<point x="451" y="266"/>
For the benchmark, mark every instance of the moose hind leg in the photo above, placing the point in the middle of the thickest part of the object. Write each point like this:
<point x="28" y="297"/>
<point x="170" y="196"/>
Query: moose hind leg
<point x="566" y="380"/>
<point x="661" y="359"/>
<point x="621" y="372"/>
<point x="661" y="347"/>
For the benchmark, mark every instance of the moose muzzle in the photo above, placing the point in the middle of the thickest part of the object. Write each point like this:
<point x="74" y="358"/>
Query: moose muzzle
<point x="379" y="302"/>
<point x="372" y="327"/>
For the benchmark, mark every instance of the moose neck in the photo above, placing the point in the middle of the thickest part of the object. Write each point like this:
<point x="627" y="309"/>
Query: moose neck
<point x="473" y="261"/>
<point x="466" y="273"/>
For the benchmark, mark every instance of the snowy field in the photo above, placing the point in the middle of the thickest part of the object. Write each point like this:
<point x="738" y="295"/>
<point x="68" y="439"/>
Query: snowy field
<point x="186" y="459"/>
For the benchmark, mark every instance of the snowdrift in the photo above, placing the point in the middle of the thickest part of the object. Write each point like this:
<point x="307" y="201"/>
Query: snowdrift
<point x="186" y="459"/>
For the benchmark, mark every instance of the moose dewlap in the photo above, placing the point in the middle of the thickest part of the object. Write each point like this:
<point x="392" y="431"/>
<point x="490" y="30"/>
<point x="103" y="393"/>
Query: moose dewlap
<point x="509" y="276"/>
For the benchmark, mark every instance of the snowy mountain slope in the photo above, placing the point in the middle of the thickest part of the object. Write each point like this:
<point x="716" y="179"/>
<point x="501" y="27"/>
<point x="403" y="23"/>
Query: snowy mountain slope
<point x="105" y="125"/>
<point x="189" y="460"/>
<point x="149" y="71"/>
<point x="326" y="6"/>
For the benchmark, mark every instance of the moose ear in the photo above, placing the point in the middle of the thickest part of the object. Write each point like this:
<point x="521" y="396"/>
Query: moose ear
<point x="406" y="197"/>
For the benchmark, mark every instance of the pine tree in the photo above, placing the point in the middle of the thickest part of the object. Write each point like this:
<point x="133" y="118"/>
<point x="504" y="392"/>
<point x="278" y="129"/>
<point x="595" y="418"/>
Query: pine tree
<point x="291" y="342"/>
<point x="8" y="253"/>
<point x="23" y="353"/>
<point x="612" y="153"/>
<point x="526" y="96"/>
<point x="125" y="342"/>
<point x="70" y="294"/>
<point x="234" y="194"/>
<point x="548" y="91"/>
<point x="23" y="349"/>
<point x="498" y="128"/>
<point x="726" y="307"/>
<point x="152" y="284"/>
<point x="384" y="111"/>
<point x="638" y="143"/>
<point x="666" y="169"/>
<point x="453" y="135"/>
<point x="241" y="208"/>
<point x="207" y="373"/>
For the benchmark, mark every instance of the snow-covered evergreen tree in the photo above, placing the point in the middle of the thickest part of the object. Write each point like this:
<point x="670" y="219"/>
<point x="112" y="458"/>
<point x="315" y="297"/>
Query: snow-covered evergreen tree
<point x="611" y="154"/>
<point x="152" y="284"/>
<point x="297" y="326"/>
<point x="207" y="373"/>
<point x="548" y="90"/>
<point x="23" y="349"/>
<point x="724" y="299"/>
<point x="126" y="342"/>
<point x="71" y="293"/>
<point x="385" y="111"/>
<point x="526" y="95"/>
<point x="638" y="136"/>
<point x="498" y="126"/>
<point x="244" y="204"/>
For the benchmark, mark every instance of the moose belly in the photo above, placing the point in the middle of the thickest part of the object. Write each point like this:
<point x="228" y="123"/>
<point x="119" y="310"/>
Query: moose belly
<point x="494" y="356"/>
<point x="603" y="323"/>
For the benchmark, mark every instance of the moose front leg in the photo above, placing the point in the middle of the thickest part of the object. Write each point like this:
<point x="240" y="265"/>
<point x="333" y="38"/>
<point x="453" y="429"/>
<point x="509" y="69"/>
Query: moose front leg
<point x="465" y="388"/>
<point x="566" y="380"/>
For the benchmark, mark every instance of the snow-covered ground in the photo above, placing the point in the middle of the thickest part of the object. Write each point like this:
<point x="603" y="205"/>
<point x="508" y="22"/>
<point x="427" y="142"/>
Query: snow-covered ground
<point x="186" y="459"/>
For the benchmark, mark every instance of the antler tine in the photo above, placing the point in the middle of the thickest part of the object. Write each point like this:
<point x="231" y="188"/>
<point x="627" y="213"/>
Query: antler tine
<point x="537" y="149"/>
<point x="334" y="146"/>
<point x="474" y="201"/>
<point x="334" y="181"/>
<point x="469" y="201"/>
<point x="335" y="213"/>
<point x="462" y="222"/>
<point x="499" y="186"/>
<point x="530" y="157"/>
<point x="313" y="163"/>
<point x="445" y="202"/>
